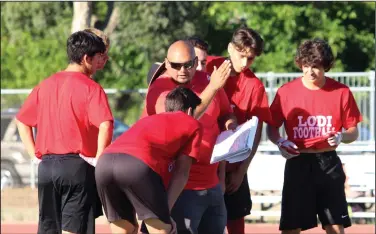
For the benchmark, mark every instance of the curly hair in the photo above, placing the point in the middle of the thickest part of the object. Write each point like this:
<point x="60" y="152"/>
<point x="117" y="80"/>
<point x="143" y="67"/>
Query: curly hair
<point x="247" y="38"/>
<point x="316" y="52"/>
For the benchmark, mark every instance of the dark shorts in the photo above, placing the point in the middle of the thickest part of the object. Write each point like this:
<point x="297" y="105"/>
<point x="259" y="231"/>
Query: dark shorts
<point x="95" y="211"/>
<point x="126" y="186"/>
<point x="314" y="185"/>
<point x="65" y="192"/>
<point x="239" y="203"/>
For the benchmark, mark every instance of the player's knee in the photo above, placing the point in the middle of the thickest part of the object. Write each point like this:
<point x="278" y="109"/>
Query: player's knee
<point x="334" y="229"/>
<point x="157" y="226"/>
<point x="123" y="227"/>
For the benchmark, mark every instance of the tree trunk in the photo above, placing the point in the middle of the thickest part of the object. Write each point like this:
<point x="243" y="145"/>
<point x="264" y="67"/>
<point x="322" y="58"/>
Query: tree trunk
<point x="111" y="20"/>
<point x="82" y="12"/>
<point x="83" y="17"/>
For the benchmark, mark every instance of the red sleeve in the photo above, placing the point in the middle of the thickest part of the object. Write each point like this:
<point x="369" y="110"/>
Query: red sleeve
<point x="29" y="112"/>
<point x="212" y="61"/>
<point x="276" y="108"/>
<point x="259" y="105"/>
<point x="99" y="110"/>
<point x="224" y="103"/>
<point x="155" y="99"/>
<point x="160" y="106"/>
<point x="350" y="112"/>
<point x="192" y="147"/>
<point x="156" y="96"/>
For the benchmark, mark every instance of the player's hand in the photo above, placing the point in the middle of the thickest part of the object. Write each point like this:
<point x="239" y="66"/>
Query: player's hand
<point x="232" y="126"/>
<point x="135" y="224"/>
<point x="173" y="224"/>
<point x="36" y="160"/>
<point x="136" y="227"/>
<point x="95" y="162"/>
<point x="334" y="139"/>
<point x="287" y="148"/>
<point x="233" y="181"/>
<point x="220" y="75"/>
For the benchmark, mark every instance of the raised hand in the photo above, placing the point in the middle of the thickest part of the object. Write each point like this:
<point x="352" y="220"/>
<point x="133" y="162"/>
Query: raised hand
<point x="220" y="75"/>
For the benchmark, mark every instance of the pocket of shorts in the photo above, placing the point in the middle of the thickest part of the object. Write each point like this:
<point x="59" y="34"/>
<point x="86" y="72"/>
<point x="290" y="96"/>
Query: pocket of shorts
<point x="72" y="223"/>
<point x="336" y="171"/>
<point x="325" y="162"/>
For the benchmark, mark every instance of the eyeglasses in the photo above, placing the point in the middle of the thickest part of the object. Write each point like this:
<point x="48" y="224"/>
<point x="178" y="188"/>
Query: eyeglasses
<point x="187" y="65"/>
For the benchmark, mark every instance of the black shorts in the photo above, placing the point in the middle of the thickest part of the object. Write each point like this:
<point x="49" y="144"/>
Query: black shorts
<point x="239" y="203"/>
<point x="314" y="185"/>
<point x="65" y="193"/>
<point x="126" y="186"/>
<point x="95" y="211"/>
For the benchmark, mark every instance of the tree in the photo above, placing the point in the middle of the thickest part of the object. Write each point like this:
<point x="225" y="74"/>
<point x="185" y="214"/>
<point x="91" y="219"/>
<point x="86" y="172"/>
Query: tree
<point x="34" y="34"/>
<point x="143" y="38"/>
<point x="82" y="12"/>
<point x="347" y="26"/>
<point x="83" y="16"/>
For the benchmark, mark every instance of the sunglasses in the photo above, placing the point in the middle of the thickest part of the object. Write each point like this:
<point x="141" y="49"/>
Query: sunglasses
<point x="186" y="65"/>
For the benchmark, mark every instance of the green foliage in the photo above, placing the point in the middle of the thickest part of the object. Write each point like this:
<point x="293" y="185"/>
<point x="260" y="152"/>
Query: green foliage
<point x="34" y="34"/>
<point x="143" y="38"/>
<point x="347" y="26"/>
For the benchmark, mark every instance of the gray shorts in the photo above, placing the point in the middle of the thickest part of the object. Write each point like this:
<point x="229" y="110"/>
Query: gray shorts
<point x="200" y="211"/>
<point x="127" y="185"/>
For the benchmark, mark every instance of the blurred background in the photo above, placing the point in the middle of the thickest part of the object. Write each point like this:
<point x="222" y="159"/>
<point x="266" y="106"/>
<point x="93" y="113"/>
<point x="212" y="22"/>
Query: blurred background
<point x="33" y="46"/>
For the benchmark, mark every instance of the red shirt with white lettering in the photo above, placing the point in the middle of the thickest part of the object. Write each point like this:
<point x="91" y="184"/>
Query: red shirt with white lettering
<point x="158" y="139"/>
<point x="203" y="175"/>
<point x="67" y="109"/>
<point x="309" y="114"/>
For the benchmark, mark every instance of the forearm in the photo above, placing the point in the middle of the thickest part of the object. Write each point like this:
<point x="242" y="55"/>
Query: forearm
<point x="179" y="178"/>
<point x="222" y="171"/>
<point x="177" y="183"/>
<point x="350" y="135"/>
<point x="206" y="97"/>
<point x="245" y="164"/>
<point x="27" y="138"/>
<point x="273" y="133"/>
<point x="104" y="136"/>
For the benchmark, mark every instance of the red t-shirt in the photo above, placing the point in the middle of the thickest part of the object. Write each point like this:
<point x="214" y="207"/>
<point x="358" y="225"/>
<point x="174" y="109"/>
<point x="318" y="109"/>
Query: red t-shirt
<point x="67" y="109"/>
<point x="308" y="115"/>
<point x="203" y="175"/>
<point x="247" y="96"/>
<point x="157" y="140"/>
<point x="246" y="93"/>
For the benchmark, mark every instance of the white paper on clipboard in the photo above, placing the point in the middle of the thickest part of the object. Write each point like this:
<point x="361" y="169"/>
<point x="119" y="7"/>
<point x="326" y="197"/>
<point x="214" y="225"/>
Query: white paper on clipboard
<point x="235" y="146"/>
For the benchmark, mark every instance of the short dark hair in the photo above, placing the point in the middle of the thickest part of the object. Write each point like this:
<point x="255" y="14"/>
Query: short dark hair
<point x="316" y="52"/>
<point x="246" y="38"/>
<point x="198" y="43"/>
<point x="101" y="34"/>
<point x="181" y="99"/>
<point x="81" y="43"/>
